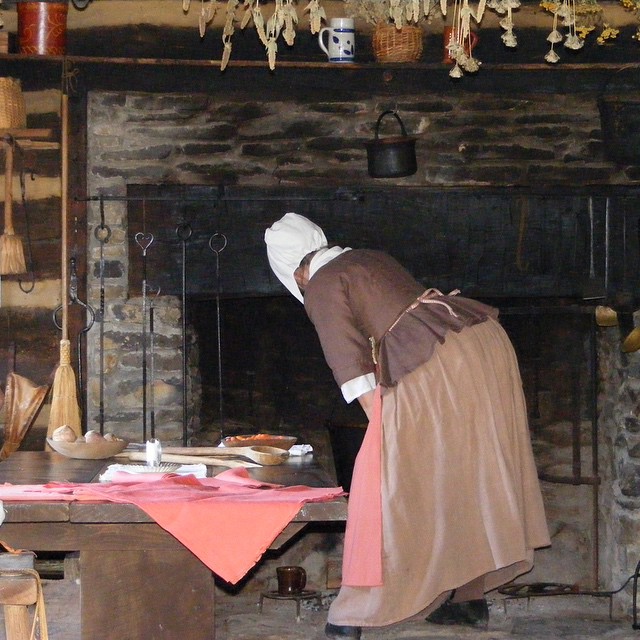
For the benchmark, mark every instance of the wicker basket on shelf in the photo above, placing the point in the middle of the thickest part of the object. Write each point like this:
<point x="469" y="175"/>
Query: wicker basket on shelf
<point x="391" y="44"/>
<point x="13" y="114"/>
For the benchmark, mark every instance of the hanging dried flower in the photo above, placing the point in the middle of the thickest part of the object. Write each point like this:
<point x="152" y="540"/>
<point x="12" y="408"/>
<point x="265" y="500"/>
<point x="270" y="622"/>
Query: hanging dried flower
<point x="283" y="21"/>
<point x="506" y="7"/>
<point x="552" y="57"/>
<point x="316" y="15"/>
<point x="463" y="40"/>
<point x="397" y="12"/>
<point x="609" y="33"/>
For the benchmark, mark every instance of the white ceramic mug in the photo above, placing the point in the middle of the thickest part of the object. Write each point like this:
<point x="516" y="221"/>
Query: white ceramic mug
<point x="341" y="45"/>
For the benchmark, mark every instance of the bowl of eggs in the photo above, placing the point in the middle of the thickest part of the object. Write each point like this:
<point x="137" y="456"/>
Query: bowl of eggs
<point x="92" y="446"/>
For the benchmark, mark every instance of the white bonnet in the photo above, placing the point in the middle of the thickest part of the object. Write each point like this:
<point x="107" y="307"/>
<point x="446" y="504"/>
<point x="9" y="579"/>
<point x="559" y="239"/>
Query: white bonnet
<point x="288" y="241"/>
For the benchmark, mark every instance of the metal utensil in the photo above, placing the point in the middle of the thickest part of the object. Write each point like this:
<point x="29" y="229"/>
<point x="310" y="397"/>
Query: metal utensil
<point x="144" y="241"/>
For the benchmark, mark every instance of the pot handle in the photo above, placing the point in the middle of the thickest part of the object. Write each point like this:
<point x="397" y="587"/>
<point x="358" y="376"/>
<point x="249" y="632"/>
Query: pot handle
<point x="397" y="117"/>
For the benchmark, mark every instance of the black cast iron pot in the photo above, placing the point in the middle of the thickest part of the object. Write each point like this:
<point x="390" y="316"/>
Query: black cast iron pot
<point x="393" y="156"/>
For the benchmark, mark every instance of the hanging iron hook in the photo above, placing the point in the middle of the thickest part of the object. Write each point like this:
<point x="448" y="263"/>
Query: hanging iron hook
<point x="184" y="231"/>
<point x="144" y="241"/>
<point x="220" y="237"/>
<point x="102" y="232"/>
<point x="73" y="299"/>
<point x="23" y="195"/>
<point x="32" y="283"/>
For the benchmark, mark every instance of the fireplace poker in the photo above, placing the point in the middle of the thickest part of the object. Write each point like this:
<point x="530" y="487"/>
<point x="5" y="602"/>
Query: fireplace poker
<point x="606" y="247"/>
<point x="592" y="267"/>
<point x="222" y="240"/>
<point x="102" y="234"/>
<point x="152" y="356"/>
<point x="144" y="241"/>
<point x="184" y="232"/>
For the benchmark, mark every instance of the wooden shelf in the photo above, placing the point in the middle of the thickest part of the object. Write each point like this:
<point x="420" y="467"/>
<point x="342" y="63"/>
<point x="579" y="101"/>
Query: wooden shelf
<point x="32" y="139"/>
<point x="307" y="79"/>
<point x="305" y="64"/>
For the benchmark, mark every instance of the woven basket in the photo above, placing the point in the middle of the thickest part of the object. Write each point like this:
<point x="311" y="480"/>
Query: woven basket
<point x="13" y="114"/>
<point x="391" y="44"/>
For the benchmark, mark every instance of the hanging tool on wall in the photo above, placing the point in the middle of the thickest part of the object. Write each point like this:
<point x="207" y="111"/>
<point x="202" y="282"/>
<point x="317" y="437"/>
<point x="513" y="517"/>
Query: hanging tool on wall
<point x="102" y="234"/>
<point x="64" y="402"/>
<point x="626" y="301"/>
<point x="184" y="232"/>
<point x="11" y="249"/>
<point x="74" y="299"/>
<point x="521" y="265"/>
<point x="606" y="316"/>
<point x="152" y="355"/>
<point x="23" y="194"/>
<point x="217" y="244"/>
<point x="144" y="241"/>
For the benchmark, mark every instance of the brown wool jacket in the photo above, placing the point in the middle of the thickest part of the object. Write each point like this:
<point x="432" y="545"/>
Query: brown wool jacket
<point x="354" y="300"/>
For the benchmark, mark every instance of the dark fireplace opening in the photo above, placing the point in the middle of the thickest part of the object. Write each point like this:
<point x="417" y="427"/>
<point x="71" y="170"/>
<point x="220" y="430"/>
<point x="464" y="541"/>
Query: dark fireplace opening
<point x="274" y="377"/>
<point x="535" y="257"/>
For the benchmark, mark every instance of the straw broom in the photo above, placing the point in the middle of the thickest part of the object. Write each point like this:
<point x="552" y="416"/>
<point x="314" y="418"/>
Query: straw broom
<point x="11" y="250"/>
<point x="64" y="400"/>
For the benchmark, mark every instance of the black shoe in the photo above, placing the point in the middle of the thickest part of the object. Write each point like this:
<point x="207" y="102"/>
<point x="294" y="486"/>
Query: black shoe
<point x="336" y="631"/>
<point x="474" y="613"/>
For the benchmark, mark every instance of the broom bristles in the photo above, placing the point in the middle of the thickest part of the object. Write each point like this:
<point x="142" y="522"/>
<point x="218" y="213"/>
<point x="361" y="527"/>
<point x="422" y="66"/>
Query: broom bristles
<point x="11" y="255"/>
<point x="8" y="448"/>
<point x="64" y="401"/>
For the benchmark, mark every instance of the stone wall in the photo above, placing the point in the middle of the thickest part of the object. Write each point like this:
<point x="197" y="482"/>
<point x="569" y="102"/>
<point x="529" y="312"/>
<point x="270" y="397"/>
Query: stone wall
<point x="619" y="402"/>
<point x="200" y="139"/>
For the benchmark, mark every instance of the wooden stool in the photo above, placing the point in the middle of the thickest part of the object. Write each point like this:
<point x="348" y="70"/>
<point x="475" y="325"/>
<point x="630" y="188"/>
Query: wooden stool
<point x="20" y="589"/>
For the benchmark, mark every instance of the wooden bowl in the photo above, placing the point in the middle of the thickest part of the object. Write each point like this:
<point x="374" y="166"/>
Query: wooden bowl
<point x="260" y="440"/>
<point x="88" y="450"/>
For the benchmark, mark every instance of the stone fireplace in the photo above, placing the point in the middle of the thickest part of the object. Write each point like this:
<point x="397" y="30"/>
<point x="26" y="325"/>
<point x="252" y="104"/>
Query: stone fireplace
<point x="509" y="204"/>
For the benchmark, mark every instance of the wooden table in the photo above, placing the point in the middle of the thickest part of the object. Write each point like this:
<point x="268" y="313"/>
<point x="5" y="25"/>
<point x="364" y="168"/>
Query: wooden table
<point x="137" y="580"/>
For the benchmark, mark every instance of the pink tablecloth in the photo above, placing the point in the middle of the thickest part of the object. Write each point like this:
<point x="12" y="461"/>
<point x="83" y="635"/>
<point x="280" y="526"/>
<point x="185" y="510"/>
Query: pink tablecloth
<point x="228" y="521"/>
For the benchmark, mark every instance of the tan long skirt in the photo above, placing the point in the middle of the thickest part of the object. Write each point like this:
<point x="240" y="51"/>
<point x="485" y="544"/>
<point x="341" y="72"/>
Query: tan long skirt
<point x="460" y="492"/>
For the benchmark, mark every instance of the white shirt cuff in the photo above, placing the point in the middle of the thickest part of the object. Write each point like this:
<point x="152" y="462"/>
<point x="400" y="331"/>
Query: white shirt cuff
<point x="353" y="389"/>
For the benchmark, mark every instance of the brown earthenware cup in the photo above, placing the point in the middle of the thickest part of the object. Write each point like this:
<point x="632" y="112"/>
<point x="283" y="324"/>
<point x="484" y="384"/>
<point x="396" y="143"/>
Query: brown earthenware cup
<point x="291" y="580"/>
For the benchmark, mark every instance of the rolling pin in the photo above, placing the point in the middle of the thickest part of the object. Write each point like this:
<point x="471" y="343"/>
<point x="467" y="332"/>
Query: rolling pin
<point x="185" y="455"/>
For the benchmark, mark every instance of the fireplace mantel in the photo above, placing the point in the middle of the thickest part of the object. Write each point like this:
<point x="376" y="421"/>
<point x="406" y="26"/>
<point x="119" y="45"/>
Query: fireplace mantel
<point x="311" y="75"/>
